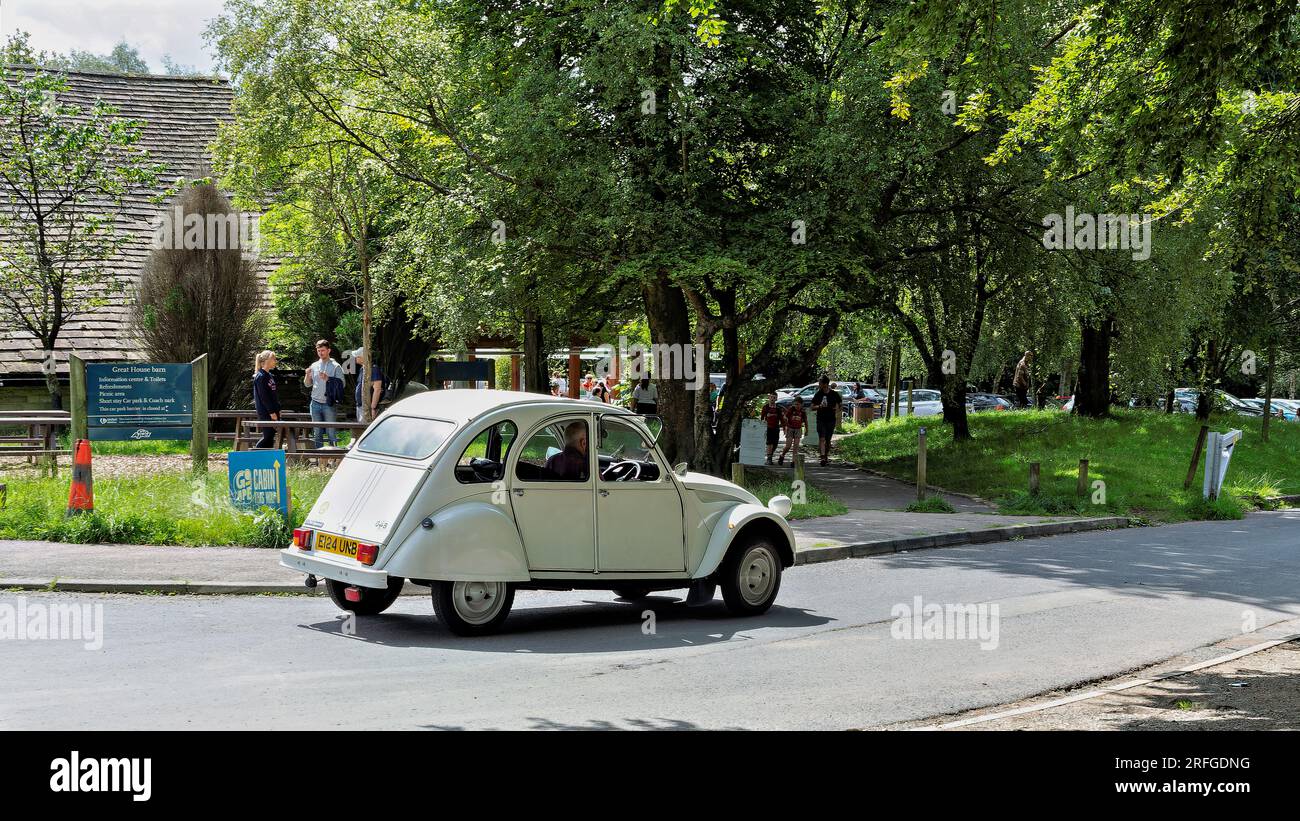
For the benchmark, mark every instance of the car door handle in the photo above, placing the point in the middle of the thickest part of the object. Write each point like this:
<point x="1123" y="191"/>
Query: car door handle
<point x="519" y="491"/>
<point x="604" y="493"/>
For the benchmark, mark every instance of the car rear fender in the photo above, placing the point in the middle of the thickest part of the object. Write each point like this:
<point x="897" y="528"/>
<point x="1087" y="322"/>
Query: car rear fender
<point x="744" y="520"/>
<point x="470" y="540"/>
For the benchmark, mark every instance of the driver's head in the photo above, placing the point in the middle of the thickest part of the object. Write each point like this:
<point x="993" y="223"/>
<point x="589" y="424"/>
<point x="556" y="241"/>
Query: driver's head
<point x="575" y="436"/>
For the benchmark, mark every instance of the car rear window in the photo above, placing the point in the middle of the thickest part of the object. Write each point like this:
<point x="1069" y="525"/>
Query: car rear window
<point x="407" y="436"/>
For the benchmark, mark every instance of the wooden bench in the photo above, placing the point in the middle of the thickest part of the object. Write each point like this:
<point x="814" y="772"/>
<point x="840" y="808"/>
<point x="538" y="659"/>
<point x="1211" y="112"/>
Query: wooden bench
<point x="301" y="447"/>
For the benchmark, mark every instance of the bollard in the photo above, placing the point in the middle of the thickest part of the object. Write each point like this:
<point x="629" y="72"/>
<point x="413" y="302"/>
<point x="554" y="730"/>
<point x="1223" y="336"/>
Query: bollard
<point x="1082" y="490"/>
<point x="738" y="474"/>
<point x="81" y="494"/>
<point x="920" y="463"/>
<point x="798" y="464"/>
<point x="1034" y="468"/>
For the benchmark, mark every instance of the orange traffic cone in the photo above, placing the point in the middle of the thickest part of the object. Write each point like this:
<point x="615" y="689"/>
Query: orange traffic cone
<point x="81" y="496"/>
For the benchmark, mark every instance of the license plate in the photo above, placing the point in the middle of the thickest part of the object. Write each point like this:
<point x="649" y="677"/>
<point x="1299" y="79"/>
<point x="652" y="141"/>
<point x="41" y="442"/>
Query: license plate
<point x="338" y="545"/>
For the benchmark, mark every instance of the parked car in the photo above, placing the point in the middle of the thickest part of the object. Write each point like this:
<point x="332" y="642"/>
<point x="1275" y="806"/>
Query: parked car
<point x="925" y="402"/>
<point x="806" y="394"/>
<point x="1278" y="407"/>
<point x="1223" y="402"/>
<point x="479" y="493"/>
<point x="977" y="402"/>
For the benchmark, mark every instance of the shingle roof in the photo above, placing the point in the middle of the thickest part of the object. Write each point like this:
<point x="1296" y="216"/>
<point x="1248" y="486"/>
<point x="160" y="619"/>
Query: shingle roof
<point x="181" y="117"/>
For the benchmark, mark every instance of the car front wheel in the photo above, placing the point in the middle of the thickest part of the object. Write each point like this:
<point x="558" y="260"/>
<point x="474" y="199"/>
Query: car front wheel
<point x="750" y="578"/>
<point x="373" y="600"/>
<point x="472" y="608"/>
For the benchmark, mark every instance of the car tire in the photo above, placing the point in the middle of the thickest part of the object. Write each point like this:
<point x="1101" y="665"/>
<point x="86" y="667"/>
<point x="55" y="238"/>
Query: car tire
<point x="632" y="592"/>
<point x="373" y="600"/>
<point x="472" y="608"/>
<point x="750" y="577"/>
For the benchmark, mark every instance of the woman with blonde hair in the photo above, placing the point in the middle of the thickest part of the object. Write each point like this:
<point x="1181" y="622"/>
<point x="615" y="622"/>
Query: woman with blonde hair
<point x="266" y="400"/>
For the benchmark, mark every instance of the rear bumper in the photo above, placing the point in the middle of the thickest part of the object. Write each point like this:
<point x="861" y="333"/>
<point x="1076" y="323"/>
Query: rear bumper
<point x="305" y="562"/>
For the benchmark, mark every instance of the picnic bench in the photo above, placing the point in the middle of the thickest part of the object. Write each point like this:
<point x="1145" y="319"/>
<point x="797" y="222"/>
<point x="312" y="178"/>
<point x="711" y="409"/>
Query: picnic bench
<point x="295" y="436"/>
<point x="40" y="439"/>
<point x="241" y="439"/>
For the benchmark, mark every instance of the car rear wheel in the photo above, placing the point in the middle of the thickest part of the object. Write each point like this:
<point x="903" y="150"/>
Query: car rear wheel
<point x="373" y="600"/>
<point x="472" y="608"/>
<point x="751" y="577"/>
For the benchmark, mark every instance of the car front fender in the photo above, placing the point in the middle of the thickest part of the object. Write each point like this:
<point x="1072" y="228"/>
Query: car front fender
<point x="471" y="540"/>
<point x="739" y="520"/>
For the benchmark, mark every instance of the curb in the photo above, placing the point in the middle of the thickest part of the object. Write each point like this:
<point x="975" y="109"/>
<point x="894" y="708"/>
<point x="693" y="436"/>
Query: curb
<point x="815" y="555"/>
<point x="176" y="588"/>
<point x="994" y="534"/>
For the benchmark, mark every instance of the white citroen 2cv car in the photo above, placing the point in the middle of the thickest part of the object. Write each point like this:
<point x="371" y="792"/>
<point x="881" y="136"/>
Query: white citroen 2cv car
<point x="478" y="493"/>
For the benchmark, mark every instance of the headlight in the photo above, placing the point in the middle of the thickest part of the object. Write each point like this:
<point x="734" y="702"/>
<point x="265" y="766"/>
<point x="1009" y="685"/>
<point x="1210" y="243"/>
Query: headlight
<point x="780" y="505"/>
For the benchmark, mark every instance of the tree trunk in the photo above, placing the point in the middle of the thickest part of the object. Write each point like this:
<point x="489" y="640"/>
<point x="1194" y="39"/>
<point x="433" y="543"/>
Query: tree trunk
<point x="52" y="385"/>
<point x="536" y="377"/>
<point x="952" y="394"/>
<point x="1205" y="396"/>
<point x="367" y="336"/>
<point x="1268" y="390"/>
<point x="1092" y="398"/>
<point x="670" y="324"/>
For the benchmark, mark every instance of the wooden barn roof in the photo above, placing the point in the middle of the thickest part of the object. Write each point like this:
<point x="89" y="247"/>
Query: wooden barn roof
<point x="180" y="118"/>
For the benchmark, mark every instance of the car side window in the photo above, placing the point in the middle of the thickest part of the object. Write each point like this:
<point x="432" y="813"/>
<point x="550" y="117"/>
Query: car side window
<point x="484" y="459"/>
<point x="625" y="455"/>
<point x="556" y="453"/>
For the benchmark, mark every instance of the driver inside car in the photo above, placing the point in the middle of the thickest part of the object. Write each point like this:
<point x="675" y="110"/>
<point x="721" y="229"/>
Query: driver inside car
<point x="571" y="463"/>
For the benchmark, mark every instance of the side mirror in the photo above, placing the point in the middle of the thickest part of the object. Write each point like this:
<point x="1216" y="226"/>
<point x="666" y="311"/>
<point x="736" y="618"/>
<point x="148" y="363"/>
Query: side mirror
<point x="680" y="468"/>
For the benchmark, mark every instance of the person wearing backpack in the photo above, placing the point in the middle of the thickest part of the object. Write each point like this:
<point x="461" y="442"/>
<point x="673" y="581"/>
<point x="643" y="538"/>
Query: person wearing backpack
<point x="372" y="391"/>
<point x="325" y="378"/>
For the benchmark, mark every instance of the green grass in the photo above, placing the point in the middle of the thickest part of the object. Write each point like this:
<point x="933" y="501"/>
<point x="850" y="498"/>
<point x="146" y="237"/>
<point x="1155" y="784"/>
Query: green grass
<point x="765" y="485"/>
<point x="1140" y="456"/>
<point x="931" y="504"/>
<point x="172" y="508"/>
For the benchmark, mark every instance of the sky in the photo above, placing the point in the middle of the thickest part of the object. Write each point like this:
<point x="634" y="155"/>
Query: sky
<point x="155" y="27"/>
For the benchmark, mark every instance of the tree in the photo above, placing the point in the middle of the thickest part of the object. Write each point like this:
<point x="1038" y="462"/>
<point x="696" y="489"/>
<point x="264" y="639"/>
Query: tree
<point x="64" y="171"/>
<point x="199" y="292"/>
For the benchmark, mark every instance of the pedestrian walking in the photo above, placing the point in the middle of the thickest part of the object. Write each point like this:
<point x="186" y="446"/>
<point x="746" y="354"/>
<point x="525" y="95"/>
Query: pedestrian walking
<point x="645" y="397"/>
<point x="1022" y="379"/>
<point x="368" y="393"/>
<point x="796" y="423"/>
<point x="266" y="398"/>
<point x="826" y="401"/>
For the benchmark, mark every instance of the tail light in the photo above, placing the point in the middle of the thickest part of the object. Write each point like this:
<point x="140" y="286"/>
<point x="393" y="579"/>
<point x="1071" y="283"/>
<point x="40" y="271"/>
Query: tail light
<point x="367" y="553"/>
<point x="302" y="538"/>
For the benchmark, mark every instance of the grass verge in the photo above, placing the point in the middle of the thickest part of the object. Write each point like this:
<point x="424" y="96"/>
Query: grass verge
<point x="818" y="502"/>
<point x="1139" y="457"/>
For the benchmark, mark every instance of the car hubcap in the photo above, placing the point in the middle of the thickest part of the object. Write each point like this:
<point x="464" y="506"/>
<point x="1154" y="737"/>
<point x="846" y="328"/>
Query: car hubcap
<point x="757" y="575"/>
<point x="478" y="602"/>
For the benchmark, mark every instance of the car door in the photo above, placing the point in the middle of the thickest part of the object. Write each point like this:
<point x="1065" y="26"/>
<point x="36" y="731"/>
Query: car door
<point x="638" y="507"/>
<point x="553" y="501"/>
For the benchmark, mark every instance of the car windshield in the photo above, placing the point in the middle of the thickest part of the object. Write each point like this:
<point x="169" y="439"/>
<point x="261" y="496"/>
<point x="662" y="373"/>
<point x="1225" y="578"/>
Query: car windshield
<point x="410" y="437"/>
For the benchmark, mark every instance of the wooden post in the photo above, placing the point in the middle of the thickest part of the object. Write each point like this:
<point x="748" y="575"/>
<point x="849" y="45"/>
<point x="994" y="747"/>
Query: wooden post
<point x="1082" y="490"/>
<point x="1196" y="456"/>
<point x="737" y="474"/>
<point x="1034" y="468"/>
<point x="77" y="389"/>
<point x="798" y="464"/>
<point x="199" y="405"/>
<point x="514" y="371"/>
<point x="920" y="462"/>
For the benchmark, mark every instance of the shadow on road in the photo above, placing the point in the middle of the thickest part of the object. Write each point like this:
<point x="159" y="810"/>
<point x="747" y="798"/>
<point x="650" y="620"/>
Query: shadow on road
<point x="1219" y="560"/>
<point x="593" y="627"/>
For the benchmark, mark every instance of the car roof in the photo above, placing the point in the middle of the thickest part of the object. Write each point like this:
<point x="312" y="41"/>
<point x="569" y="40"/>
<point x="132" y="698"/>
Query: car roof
<point x="461" y="404"/>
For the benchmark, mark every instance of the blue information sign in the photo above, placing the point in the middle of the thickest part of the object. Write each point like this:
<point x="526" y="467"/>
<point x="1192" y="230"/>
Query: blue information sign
<point x="258" y="479"/>
<point x="139" y="400"/>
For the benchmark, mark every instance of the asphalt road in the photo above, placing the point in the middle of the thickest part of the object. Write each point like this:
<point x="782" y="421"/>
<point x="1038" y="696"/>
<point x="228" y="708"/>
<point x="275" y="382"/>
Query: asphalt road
<point x="1070" y="609"/>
